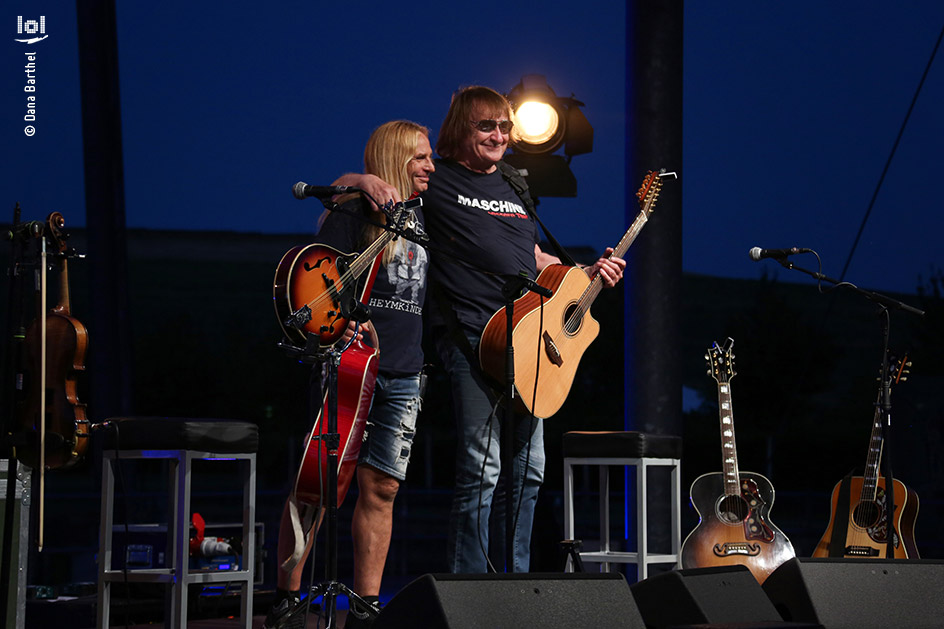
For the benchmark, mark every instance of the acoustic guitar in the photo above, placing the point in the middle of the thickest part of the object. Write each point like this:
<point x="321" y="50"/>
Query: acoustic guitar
<point x="550" y="337"/>
<point x="858" y="522"/>
<point x="316" y="287"/>
<point x="733" y="506"/>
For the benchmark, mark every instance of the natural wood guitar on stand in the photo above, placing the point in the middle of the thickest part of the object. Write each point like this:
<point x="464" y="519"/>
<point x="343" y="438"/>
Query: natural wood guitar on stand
<point x="858" y="524"/>
<point x="550" y="337"/>
<point x="733" y="506"/>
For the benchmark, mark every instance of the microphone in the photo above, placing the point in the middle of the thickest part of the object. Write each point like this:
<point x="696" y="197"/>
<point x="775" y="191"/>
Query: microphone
<point x="302" y="190"/>
<point x="757" y="254"/>
<point x="515" y="283"/>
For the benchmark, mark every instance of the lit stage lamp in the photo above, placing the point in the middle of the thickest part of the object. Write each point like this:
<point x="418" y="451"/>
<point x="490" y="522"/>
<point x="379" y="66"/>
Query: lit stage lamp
<point x="546" y="122"/>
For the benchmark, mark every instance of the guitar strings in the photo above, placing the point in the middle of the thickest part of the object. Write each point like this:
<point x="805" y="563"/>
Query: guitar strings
<point x="326" y="297"/>
<point x="596" y="285"/>
<point x="368" y="254"/>
<point x="593" y="289"/>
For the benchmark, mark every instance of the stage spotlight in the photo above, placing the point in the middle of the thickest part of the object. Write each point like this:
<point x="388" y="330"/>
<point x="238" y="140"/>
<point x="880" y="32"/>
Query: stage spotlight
<point x="546" y="122"/>
<point x="540" y="126"/>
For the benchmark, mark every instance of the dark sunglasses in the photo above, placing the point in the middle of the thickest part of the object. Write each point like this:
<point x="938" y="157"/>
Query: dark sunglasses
<point x="487" y="126"/>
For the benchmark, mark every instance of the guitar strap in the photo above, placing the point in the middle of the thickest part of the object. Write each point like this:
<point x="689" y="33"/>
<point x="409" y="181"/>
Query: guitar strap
<point x="837" y="542"/>
<point x="515" y="179"/>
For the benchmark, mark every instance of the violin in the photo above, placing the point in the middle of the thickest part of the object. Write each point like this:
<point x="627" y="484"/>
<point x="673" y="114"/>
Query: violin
<point x="52" y="428"/>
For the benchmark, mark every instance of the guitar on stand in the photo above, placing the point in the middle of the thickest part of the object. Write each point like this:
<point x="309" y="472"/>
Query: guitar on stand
<point x="318" y="292"/>
<point x="858" y="522"/>
<point x="733" y="506"/>
<point x="559" y="329"/>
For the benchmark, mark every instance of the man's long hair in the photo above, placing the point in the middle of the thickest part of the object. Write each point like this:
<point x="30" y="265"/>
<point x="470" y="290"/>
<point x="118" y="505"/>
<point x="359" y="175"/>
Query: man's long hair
<point x="457" y="125"/>
<point x="388" y="152"/>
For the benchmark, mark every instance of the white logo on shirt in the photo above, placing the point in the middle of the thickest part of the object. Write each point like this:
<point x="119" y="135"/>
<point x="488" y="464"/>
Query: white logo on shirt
<point x="493" y="206"/>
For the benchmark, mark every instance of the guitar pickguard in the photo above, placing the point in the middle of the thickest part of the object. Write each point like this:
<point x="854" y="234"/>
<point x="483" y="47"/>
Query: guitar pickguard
<point x="878" y="532"/>
<point x="755" y="524"/>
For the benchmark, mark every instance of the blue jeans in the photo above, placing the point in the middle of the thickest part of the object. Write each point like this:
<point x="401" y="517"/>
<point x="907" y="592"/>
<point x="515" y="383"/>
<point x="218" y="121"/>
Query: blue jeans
<point x="391" y="425"/>
<point x="478" y="444"/>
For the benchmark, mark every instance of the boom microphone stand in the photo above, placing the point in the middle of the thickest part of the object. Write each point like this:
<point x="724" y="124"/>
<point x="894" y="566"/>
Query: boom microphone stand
<point x="886" y="303"/>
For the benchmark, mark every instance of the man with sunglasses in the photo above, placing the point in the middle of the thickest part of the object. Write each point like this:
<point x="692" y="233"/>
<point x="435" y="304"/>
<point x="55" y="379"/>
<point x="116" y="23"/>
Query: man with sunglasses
<point x="474" y="214"/>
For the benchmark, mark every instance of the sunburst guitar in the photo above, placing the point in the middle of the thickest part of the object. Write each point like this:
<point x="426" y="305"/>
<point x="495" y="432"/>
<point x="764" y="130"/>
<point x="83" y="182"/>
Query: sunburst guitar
<point x="858" y="524"/>
<point x="734" y="525"/>
<point x="316" y="287"/>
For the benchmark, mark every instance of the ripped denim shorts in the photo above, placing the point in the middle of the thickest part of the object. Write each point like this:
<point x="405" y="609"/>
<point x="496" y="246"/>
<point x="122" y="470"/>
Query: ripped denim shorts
<point x="388" y="436"/>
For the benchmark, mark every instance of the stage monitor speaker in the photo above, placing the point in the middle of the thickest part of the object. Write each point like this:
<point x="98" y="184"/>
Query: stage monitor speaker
<point x="513" y="601"/>
<point x="860" y="593"/>
<point x="698" y="596"/>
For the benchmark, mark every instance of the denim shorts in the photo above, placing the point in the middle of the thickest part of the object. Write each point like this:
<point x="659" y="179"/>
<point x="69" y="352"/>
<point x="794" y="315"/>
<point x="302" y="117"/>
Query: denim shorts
<point x="391" y="425"/>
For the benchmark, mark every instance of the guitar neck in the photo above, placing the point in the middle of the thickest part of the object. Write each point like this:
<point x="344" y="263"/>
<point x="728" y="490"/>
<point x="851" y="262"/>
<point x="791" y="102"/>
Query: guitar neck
<point x="873" y="458"/>
<point x="596" y="282"/>
<point x="364" y="259"/>
<point x="729" y="464"/>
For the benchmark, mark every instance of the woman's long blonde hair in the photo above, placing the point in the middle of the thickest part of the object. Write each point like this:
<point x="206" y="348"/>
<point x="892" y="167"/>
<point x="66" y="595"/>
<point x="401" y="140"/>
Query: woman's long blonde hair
<point x="388" y="152"/>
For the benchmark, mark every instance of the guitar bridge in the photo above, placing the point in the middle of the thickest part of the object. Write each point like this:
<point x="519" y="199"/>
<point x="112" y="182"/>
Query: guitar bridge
<point x="736" y="548"/>
<point x="861" y="551"/>
<point x="299" y="318"/>
<point x="553" y="354"/>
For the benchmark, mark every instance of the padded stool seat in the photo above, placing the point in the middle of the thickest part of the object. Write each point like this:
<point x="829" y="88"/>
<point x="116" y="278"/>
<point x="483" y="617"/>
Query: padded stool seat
<point x="640" y="450"/>
<point x="179" y="441"/>
<point x="181" y="433"/>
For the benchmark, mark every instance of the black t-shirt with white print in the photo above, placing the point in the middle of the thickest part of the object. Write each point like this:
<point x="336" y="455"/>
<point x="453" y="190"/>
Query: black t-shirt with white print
<point x="477" y="218"/>
<point x="396" y="301"/>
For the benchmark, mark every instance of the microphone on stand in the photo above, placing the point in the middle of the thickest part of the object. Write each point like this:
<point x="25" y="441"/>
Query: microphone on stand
<point x="514" y="284"/>
<point x="757" y="254"/>
<point x="302" y="190"/>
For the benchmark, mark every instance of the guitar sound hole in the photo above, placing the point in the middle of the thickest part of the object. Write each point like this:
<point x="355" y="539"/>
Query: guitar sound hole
<point x="572" y="320"/>
<point x="733" y="509"/>
<point x="866" y="514"/>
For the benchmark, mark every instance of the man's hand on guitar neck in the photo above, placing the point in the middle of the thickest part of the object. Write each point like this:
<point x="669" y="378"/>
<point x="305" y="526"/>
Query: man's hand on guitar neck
<point x="609" y="267"/>
<point x="376" y="188"/>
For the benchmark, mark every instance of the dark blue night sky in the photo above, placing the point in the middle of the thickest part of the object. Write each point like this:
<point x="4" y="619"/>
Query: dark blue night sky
<point x="790" y="113"/>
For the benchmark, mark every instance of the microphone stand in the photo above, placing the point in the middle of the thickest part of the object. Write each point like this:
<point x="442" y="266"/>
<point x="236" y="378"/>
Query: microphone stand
<point x="514" y="284"/>
<point x="886" y="303"/>
<point x="329" y="589"/>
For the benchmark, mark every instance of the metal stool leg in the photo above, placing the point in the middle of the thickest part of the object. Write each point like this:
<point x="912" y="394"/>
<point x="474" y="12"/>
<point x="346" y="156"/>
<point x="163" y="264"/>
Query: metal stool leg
<point x="178" y="533"/>
<point x="676" y="510"/>
<point x="249" y="536"/>
<point x="642" y="520"/>
<point x="604" y="514"/>
<point x="105" y="544"/>
<point x="568" y="508"/>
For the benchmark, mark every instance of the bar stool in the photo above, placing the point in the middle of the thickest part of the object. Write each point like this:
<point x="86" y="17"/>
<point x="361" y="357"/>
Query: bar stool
<point x="179" y="441"/>
<point x="642" y="451"/>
